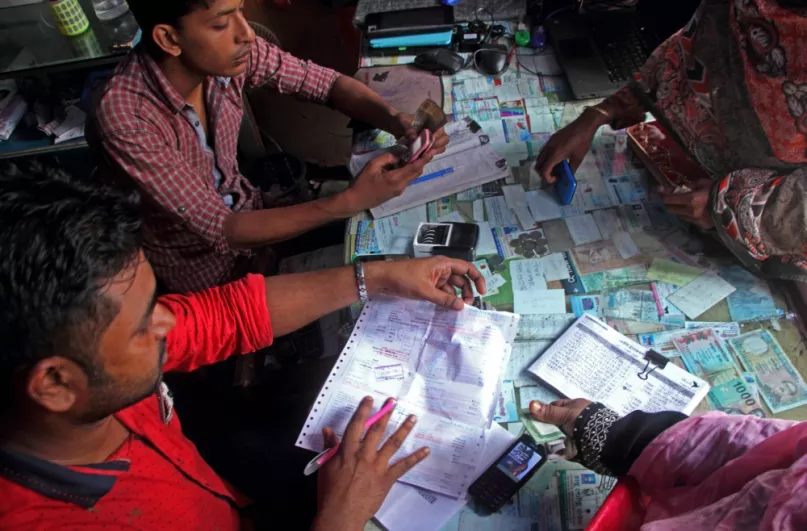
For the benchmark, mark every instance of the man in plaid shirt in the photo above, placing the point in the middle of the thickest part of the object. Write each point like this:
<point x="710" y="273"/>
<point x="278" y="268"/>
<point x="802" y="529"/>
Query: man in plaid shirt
<point x="168" y="122"/>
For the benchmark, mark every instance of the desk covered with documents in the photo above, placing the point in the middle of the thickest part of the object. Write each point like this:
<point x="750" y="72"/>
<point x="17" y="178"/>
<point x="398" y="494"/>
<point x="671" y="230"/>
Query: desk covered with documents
<point x="612" y="299"/>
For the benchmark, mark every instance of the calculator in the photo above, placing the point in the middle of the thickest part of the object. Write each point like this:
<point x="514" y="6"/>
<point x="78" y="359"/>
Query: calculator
<point x="507" y="474"/>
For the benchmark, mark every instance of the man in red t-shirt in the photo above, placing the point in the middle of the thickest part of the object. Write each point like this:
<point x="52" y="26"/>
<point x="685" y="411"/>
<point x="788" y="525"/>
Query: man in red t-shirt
<point x="88" y="437"/>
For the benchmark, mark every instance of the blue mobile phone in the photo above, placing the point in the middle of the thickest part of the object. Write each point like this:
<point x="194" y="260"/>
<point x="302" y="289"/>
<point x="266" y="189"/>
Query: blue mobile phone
<point x="566" y="184"/>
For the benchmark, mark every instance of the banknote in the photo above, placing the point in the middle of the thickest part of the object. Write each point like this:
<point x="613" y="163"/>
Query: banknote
<point x="780" y="384"/>
<point x="660" y="342"/>
<point x="739" y="396"/>
<point x="725" y="330"/>
<point x="704" y="352"/>
<point x="705" y="355"/>
<point x="630" y="305"/>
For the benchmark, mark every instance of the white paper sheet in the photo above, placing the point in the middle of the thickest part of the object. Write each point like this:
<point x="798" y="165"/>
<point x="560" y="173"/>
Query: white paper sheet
<point x="593" y="361"/>
<point x="479" y="210"/>
<point x="554" y="267"/>
<point x="494" y="129"/>
<point x="450" y="365"/>
<point x="507" y="93"/>
<point x="539" y="301"/>
<point x="397" y="232"/>
<point x="499" y="214"/>
<point x="477" y="165"/>
<point x="486" y="245"/>
<point x="701" y="294"/>
<point x="409" y="508"/>
<point x="527" y="274"/>
<point x="583" y="229"/>
<point x="543" y="205"/>
<point x="516" y="199"/>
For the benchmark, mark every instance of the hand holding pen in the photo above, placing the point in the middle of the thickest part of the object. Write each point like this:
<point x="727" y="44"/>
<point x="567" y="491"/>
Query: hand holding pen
<point x="354" y="483"/>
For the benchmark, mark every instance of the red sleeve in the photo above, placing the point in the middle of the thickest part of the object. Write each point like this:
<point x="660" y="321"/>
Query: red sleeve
<point x="216" y="323"/>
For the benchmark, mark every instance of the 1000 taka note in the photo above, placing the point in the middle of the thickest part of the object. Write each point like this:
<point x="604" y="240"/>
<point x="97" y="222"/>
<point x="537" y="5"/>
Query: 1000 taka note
<point x="705" y="355"/>
<point x="780" y="384"/>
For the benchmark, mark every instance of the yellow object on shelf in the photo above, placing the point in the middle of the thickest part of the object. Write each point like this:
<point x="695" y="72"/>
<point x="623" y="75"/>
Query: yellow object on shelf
<point x="69" y="16"/>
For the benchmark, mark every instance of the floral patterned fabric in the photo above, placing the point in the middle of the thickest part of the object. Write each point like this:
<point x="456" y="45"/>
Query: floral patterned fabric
<point x="733" y="84"/>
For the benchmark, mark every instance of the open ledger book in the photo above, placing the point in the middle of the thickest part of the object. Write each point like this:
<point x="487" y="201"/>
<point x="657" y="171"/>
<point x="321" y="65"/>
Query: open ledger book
<point x="591" y="360"/>
<point x="442" y="365"/>
<point x="469" y="160"/>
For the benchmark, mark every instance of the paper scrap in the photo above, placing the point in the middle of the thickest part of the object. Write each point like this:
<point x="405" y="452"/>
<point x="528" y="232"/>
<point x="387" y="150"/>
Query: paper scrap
<point x="554" y="267"/>
<point x="497" y="281"/>
<point x="485" y="245"/>
<point x="499" y="214"/>
<point x="506" y="92"/>
<point x="483" y="267"/>
<point x="543" y="205"/>
<point x="539" y="301"/>
<point x="583" y="229"/>
<point x="516" y="199"/>
<point x="527" y="275"/>
<point x="701" y="294"/>
<point x="673" y="272"/>
<point x="505" y="409"/>
<point x="624" y="244"/>
<point x="479" y="210"/>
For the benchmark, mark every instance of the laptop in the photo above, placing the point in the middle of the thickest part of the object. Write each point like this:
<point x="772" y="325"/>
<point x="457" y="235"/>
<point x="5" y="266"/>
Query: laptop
<point x="600" y="53"/>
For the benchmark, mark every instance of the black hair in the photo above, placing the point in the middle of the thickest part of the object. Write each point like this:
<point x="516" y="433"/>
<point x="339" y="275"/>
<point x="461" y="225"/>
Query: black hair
<point x="149" y="13"/>
<point x="61" y="242"/>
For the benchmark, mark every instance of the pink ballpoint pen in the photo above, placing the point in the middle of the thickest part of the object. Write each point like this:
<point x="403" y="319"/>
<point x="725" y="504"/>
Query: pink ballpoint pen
<point x="325" y="455"/>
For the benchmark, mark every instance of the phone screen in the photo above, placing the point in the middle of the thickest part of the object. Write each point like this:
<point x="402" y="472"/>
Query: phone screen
<point x="519" y="461"/>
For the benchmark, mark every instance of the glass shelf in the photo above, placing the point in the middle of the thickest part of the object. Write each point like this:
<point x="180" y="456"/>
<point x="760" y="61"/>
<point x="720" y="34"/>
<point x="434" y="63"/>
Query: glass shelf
<point x="30" y="41"/>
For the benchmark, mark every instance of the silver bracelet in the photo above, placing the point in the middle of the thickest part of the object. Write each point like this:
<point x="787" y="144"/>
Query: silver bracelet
<point x="360" y="283"/>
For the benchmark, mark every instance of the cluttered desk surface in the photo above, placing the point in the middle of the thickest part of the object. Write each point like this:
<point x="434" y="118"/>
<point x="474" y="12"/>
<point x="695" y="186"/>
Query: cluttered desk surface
<point x="614" y="253"/>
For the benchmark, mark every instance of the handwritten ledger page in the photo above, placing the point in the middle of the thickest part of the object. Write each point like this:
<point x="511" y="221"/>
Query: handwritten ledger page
<point x="592" y="360"/>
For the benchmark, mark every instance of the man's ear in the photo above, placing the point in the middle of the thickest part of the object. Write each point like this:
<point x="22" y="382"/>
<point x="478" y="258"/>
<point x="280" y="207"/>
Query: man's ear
<point x="57" y="384"/>
<point x="167" y="39"/>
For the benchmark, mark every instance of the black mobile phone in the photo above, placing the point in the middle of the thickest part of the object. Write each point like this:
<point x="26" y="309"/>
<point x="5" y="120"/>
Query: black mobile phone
<point x="507" y="474"/>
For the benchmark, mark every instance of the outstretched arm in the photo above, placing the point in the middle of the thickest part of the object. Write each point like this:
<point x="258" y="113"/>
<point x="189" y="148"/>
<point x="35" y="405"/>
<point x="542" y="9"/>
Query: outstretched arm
<point x="247" y="315"/>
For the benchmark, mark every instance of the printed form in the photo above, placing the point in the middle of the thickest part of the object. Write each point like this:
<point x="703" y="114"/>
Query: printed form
<point x="441" y="365"/>
<point x="592" y="360"/>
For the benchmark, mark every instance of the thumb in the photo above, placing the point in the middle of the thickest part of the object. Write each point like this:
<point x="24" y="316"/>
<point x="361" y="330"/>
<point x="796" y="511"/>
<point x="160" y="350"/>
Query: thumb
<point x="550" y="414"/>
<point x="445" y="299"/>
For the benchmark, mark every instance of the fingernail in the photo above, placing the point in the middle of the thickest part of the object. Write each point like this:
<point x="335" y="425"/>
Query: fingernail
<point x="366" y="399"/>
<point x="412" y="419"/>
<point x="426" y="451"/>
<point x="535" y="407"/>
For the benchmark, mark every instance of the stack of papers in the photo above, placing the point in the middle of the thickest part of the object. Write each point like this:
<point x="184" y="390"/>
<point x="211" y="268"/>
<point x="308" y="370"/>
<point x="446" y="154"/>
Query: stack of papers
<point x="468" y="161"/>
<point x="441" y="365"/>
